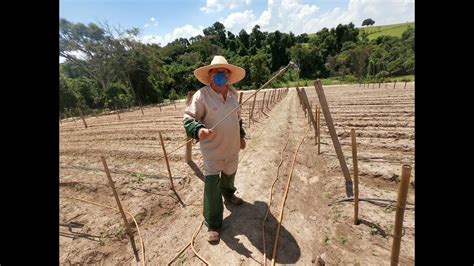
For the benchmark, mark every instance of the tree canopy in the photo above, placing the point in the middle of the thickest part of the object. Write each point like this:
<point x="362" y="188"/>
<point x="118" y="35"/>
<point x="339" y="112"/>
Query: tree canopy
<point x="107" y="67"/>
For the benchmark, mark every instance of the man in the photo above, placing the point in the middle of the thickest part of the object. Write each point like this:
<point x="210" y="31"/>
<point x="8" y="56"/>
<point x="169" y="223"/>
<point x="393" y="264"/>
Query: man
<point x="220" y="146"/>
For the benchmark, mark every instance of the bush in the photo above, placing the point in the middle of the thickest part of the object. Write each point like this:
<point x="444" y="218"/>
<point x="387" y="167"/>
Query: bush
<point x="381" y="75"/>
<point x="173" y="96"/>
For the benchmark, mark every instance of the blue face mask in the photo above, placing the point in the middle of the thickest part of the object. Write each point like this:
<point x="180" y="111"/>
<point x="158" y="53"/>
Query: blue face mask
<point x="220" y="79"/>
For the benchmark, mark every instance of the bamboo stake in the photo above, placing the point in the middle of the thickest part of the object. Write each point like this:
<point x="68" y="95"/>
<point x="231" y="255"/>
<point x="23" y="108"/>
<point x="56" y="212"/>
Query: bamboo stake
<point x="249" y="117"/>
<point x="311" y="118"/>
<point x="240" y="97"/>
<point x="253" y="106"/>
<point x="319" y="128"/>
<point x="335" y="140"/>
<point x="263" y="103"/>
<point x="401" y="202"/>
<point x="394" y="84"/>
<point x="167" y="162"/>
<point x="111" y="183"/>
<point x="118" y="112"/>
<point x="356" y="177"/>
<point x="268" y="100"/>
<point x="82" y="117"/>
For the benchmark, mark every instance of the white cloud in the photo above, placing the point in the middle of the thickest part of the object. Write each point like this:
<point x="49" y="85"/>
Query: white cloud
<point x="219" y="5"/>
<point x="286" y="15"/>
<point x="239" y="20"/>
<point x="382" y="11"/>
<point x="297" y="17"/>
<point x="186" y="31"/>
<point x="152" y="22"/>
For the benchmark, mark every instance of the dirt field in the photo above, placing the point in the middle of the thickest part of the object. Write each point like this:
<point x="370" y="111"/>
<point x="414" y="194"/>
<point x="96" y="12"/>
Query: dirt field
<point x="384" y="121"/>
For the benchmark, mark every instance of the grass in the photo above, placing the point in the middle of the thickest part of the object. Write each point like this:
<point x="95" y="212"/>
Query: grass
<point x="376" y="31"/>
<point x="395" y="30"/>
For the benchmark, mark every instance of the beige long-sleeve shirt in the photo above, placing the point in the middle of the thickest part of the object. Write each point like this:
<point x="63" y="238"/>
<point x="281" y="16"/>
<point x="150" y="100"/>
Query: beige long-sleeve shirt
<point x="220" y="151"/>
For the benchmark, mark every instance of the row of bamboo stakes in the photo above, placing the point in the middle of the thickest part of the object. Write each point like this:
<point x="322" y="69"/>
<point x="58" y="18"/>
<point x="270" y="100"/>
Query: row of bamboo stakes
<point x="386" y="84"/>
<point x="401" y="201"/>
<point x="405" y="175"/>
<point x="119" y="204"/>
<point x="274" y="97"/>
<point x="117" y="110"/>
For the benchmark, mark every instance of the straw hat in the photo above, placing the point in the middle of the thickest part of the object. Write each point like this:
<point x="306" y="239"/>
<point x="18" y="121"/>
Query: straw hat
<point x="236" y="73"/>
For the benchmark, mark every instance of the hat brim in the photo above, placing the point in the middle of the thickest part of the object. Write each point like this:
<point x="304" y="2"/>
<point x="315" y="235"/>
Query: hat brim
<point x="236" y="73"/>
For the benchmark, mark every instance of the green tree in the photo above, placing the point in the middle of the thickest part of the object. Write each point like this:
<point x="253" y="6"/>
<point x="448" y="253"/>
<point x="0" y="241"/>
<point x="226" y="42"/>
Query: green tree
<point x="368" y="22"/>
<point x="244" y="39"/>
<point x="256" y="37"/>
<point x="93" y="44"/>
<point x="259" y="71"/>
<point x="278" y="49"/>
<point x="217" y="34"/>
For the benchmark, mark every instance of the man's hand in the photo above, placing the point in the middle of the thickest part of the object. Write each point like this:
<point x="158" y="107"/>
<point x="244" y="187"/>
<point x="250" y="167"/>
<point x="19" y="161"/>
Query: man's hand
<point x="205" y="133"/>
<point x="243" y="143"/>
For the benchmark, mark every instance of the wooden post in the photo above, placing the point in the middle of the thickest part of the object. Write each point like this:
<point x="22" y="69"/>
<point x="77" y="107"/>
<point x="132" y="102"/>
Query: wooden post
<point x="379" y="84"/>
<point x="118" y="112"/>
<point x="301" y="100"/>
<point x="189" y="149"/>
<point x="335" y="140"/>
<point x="356" y="177"/>
<point x="141" y="109"/>
<point x="189" y="144"/>
<point x="394" y="84"/>
<point x="313" y="121"/>
<point x="249" y="118"/>
<point x="253" y="106"/>
<point x="269" y="100"/>
<point x="319" y="129"/>
<point x="405" y="85"/>
<point x="263" y="103"/>
<point x="111" y="183"/>
<point x="167" y="163"/>
<point x="159" y="105"/>
<point x="386" y="84"/>
<point x="401" y="202"/>
<point x="82" y="117"/>
<point x="240" y="97"/>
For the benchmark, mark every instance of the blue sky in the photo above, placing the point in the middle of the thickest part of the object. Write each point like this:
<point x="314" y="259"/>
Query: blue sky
<point x="162" y="21"/>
